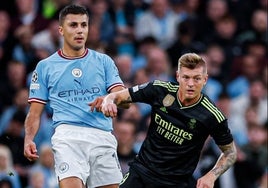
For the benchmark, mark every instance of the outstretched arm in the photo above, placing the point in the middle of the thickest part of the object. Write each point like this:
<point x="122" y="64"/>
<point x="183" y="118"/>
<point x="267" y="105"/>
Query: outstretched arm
<point x="224" y="162"/>
<point x="114" y="100"/>
<point x="97" y="103"/>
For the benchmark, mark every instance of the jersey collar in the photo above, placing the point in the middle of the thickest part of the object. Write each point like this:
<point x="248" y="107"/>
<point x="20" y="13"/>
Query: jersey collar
<point x="68" y="57"/>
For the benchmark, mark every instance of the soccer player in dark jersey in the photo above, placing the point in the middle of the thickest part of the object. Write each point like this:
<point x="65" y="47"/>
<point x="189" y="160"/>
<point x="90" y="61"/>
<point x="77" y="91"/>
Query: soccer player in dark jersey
<point x="182" y="119"/>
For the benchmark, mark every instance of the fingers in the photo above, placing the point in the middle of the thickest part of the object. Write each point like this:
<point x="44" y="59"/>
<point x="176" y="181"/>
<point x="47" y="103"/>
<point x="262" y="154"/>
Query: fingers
<point x="33" y="157"/>
<point x="96" y="104"/>
<point x="109" y="110"/>
<point x="30" y="152"/>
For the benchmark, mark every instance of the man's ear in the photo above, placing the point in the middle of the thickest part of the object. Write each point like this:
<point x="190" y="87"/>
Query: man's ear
<point x="206" y="79"/>
<point x="177" y="75"/>
<point x="60" y="29"/>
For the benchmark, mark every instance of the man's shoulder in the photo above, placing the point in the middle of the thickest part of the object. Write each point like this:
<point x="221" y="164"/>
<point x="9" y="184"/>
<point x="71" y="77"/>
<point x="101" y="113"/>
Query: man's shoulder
<point x="53" y="57"/>
<point x="211" y="110"/>
<point x="171" y="86"/>
<point x="95" y="52"/>
<point x="98" y="55"/>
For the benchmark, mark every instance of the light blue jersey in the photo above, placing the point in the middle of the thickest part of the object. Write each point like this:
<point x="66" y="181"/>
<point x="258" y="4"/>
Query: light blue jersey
<point x="69" y="84"/>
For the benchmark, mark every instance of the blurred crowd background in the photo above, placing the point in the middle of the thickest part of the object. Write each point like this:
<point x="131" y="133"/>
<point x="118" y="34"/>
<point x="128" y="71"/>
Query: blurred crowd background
<point x="145" y="38"/>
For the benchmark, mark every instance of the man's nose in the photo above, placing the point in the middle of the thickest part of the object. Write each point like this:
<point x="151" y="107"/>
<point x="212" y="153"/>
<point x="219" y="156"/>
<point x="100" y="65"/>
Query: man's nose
<point x="190" y="82"/>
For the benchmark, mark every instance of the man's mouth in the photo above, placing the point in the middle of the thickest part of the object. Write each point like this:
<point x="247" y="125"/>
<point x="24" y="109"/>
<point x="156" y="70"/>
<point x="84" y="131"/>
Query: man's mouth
<point x="190" y="91"/>
<point x="79" y="39"/>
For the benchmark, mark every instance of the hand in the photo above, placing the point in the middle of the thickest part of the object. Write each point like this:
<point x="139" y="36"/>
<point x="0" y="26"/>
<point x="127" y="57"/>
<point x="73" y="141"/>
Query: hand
<point x="109" y="108"/>
<point x="30" y="151"/>
<point x="96" y="104"/>
<point x="206" y="181"/>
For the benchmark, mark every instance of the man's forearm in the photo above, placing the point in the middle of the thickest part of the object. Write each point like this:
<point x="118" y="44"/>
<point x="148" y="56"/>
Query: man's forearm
<point x="119" y="98"/>
<point x="226" y="159"/>
<point x="31" y="127"/>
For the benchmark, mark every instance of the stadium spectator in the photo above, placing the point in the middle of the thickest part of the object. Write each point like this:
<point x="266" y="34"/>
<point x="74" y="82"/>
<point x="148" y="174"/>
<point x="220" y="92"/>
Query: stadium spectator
<point x="102" y="21"/>
<point x="125" y="132"/>
<point x="257" y="98"/>
<point x="45" y="165"/>
<point x="7" y="42"/>
<point x="123" y="22"/>
<point x="13" y="139"/>
<point x="158" y="65"/>
<point x="24" y="51"/>
<point x="124" y="65"/>
<point x="248" y="69"/>
<point x="19" y="102"/>
<point x="143" y="46"/>
<point x="160" y="23"/>
<point x="27" y="15"/>
<point x="48" y="39"/>
<point x="15" y="79"/>
<point x="8" y="174"/>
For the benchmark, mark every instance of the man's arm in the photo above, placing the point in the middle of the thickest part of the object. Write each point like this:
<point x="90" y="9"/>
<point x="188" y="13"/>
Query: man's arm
<point x="114" y="100"/>
<point x="124" y="104"/>
<point x="31" y="125"/>
<point x="224" y="162"/>
<point x="117" y="92"/>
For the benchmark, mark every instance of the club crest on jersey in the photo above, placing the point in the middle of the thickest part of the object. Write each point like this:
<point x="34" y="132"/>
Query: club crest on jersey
<point x="64" y="167"/>
<point x="168" y="100"/>
<point x="77" y="73"/>
<point x="192" y="123"/>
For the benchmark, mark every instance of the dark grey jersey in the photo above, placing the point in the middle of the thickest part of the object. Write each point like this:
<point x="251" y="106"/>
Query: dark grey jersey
<point x="176" y="133"/>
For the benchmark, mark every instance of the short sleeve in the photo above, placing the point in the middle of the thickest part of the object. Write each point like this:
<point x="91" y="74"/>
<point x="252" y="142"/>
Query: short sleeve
<point x="38" y="91"/>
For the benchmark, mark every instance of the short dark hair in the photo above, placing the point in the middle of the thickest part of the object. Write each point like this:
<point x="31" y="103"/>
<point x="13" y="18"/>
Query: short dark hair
<point x="72" y="9"/>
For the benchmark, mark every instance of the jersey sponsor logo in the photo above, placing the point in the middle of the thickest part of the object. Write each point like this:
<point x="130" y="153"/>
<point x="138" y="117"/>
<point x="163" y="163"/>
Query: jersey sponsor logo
<point x="168" y="100"/>
<point x="77" y="72"/>
<point x="76" y="92"/>
<point x="170" y="131"/>
<point x="79" y="95"/>
<point x="64" y="167"/>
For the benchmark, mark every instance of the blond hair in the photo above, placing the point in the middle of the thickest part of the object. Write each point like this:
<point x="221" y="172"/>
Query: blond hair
<point x="192" y="61"/>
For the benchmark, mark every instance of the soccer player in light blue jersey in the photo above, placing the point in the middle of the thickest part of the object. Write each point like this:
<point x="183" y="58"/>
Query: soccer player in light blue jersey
<point x="68" y="80"/>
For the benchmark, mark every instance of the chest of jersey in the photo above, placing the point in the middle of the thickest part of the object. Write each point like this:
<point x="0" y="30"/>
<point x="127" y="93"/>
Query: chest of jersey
<point x="177" y="124"/>
<point x="76" y="79"/>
